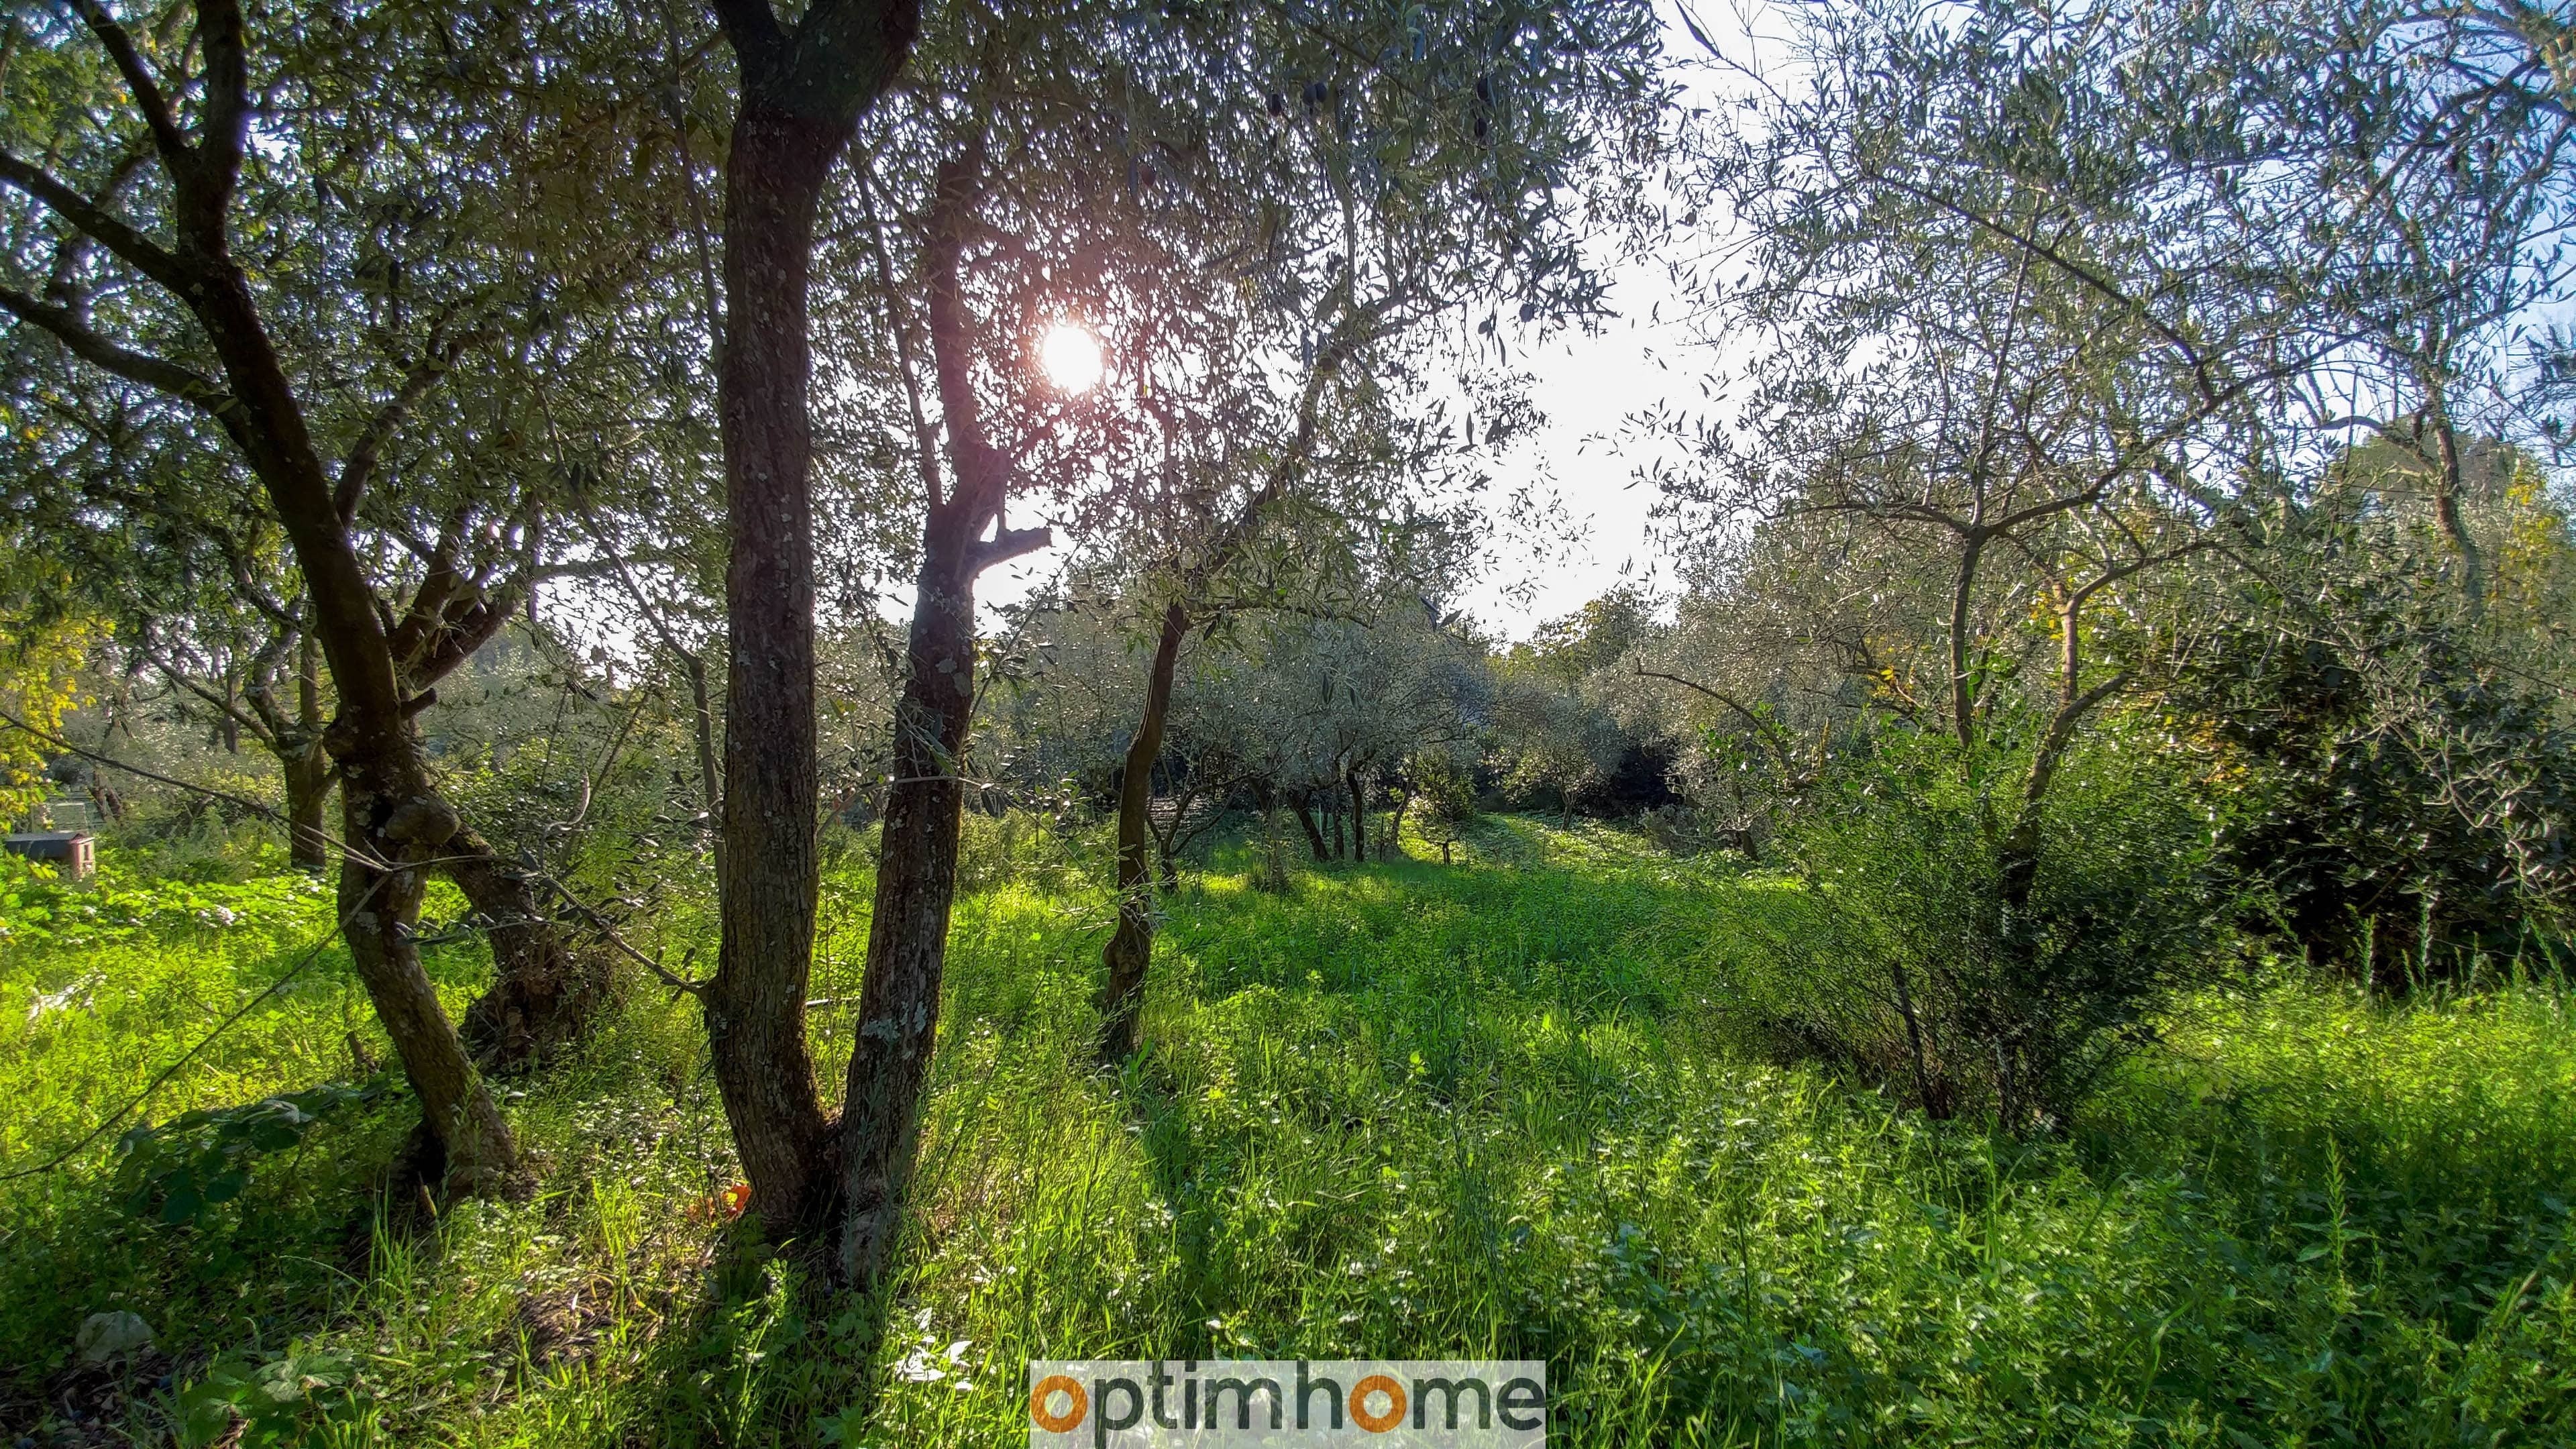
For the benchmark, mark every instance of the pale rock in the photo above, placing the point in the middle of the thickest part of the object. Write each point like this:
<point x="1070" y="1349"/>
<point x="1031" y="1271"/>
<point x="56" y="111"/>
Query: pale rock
<point x="106" y="1337"/>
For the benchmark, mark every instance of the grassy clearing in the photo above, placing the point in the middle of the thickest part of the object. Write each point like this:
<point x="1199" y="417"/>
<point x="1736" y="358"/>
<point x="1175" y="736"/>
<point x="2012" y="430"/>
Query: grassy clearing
<point x="1402" y="1109"/>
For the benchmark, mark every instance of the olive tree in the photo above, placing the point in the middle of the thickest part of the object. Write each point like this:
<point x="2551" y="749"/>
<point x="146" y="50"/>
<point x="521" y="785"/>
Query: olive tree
<point x="346" y="255"/>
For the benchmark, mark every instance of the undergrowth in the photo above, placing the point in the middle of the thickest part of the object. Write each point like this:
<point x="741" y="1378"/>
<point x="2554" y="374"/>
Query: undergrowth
<point x="1399" y="1109"/>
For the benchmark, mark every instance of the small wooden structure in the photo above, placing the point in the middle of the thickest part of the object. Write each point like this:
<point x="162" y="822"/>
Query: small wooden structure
<point x="74" y="852"/>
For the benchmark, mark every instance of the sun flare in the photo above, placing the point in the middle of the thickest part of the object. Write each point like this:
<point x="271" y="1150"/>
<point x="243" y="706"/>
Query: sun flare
<point x="1070" y="357"/>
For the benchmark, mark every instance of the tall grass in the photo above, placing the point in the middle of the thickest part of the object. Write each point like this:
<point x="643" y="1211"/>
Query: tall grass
<point x="1399" y="1109"/>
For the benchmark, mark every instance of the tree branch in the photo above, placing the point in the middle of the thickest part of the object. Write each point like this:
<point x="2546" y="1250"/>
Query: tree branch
<point x="1010" y="543"/>
<point x="981" y="477"/>
<point x="925" y="441"/>
<point x="258" y="728"/>
<point x="358" y="469"/>
<point x="227" y="104"/>
<point x="156" y="373"/>
<point x="1770" y="731"/>
<point x="166" y="137"/>
<point x="1358" y="329"/>
<point x="2081" y="273"/>
<point x="757" y="39"/>
<point x="2037" y="511"/>
<point x="246" y="581"/>
<point x="62" y="279"/>
<point x="139" y="251"/>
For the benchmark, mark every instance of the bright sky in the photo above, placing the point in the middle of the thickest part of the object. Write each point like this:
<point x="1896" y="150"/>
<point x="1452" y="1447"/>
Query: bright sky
<point x="1588" y="387"/>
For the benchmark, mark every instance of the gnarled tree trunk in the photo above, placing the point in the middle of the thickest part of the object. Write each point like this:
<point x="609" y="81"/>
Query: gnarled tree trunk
<point x="306" y="770"/>
<point x="908" y="935"/>
<point x="307" y="766"/>
<point x="543" y="994"/>
<point x="755" y="1005"/>
<point x="802" y="91"/>
<point x="393" y="823"/>
<point x="1314" y="833"/>
<point x="379" y="906"/>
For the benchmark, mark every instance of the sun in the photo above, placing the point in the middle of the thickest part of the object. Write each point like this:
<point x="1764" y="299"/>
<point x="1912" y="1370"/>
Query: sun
<point x="1070" y="357"/>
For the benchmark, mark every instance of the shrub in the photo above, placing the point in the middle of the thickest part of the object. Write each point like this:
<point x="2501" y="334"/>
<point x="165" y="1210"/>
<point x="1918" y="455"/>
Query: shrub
<point x="2410" y="799"/>
<point x="1894" y="954"/>
<point x="1447" y="791"/>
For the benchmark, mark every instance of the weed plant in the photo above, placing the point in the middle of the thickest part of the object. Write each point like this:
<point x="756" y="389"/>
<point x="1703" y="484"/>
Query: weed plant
<point x="1395" y="1109"/>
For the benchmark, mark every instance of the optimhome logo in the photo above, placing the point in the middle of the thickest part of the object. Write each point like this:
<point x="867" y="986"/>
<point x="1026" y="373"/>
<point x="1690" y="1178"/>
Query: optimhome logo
<point x="1288" y="1403"/>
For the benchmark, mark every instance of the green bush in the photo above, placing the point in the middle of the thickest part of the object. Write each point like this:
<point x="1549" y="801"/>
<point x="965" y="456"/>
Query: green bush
<point x="1895" y="952"/>
<point x="2410" y="799"/>
<point x="207" y="847"/>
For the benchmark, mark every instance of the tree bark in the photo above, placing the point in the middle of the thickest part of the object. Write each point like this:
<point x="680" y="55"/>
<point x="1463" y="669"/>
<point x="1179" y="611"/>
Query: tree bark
<point x="702" y="729"/>
<point x="908" y="935"/>
<point x="1131" y="945"/>
<point x="308" y="776"/>
<point x="379" y="906"/>
<point x="2449" y="483"/>
<point x="306" y="769"/>
<point x="543" y="995"/>
<point x="755" y="1005"/>
<point x="1314" y="832"/>
<point x="2020" y="847"/>
<point x="802" y="92"/>
<point x="1963" y="682"/>
<point x="1359" y="816"/>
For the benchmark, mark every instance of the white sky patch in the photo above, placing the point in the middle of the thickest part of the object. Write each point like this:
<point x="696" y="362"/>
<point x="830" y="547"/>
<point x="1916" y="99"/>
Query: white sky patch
<point x="1578" y="460"/>
<point x="1586" y="457"/>
<point x="1582" y="460"/>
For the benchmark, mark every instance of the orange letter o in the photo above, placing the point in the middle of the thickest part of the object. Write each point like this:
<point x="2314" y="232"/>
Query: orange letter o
<point x="1048" y="1388"/>
<point x="1377" y="1384"/>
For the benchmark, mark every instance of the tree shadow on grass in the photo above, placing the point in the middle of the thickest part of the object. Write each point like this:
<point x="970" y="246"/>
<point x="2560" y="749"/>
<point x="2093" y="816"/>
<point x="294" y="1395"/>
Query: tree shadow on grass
<point x="766" y="1351"/>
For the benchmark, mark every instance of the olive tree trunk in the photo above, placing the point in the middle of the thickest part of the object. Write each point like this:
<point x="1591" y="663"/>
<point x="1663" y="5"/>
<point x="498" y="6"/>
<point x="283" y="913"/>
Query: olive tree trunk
<point x="802" y="91"/>
<point x="908" y="935"/>
<point x="543" y="993"/>
<point x="755" y="1005"/>
<point x="306" y="770"/>
<point x="1131" y="946"/>
<point x="1314" y="833"/>
<point x="917" y="858"/>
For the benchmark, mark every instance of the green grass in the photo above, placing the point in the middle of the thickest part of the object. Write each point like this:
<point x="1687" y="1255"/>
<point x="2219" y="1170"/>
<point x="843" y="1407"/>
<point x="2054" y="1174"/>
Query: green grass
<point x="1401" y="1110"/>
